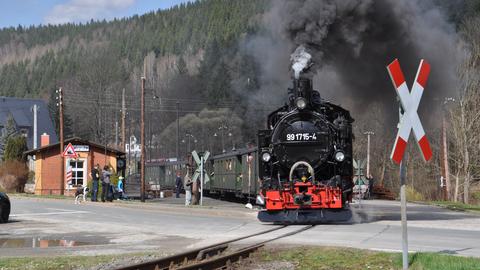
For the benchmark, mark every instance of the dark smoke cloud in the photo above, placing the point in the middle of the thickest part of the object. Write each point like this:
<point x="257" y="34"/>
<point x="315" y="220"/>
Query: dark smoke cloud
<point x="352" y="41"/>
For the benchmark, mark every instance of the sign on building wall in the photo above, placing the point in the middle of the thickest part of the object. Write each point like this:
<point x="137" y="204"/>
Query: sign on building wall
<point x="81" y="148"/>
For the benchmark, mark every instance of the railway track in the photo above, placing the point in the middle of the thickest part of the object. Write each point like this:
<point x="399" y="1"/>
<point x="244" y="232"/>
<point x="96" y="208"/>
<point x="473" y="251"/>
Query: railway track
<point x="216" y="256"/>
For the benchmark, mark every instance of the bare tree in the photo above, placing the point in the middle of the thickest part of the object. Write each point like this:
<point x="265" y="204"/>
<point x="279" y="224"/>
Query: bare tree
<point x="465" y="116"/>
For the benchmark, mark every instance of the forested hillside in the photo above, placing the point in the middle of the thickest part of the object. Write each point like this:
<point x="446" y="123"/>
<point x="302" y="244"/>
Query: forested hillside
<point x="34" y="59"/>
<point x="93" y="62"/>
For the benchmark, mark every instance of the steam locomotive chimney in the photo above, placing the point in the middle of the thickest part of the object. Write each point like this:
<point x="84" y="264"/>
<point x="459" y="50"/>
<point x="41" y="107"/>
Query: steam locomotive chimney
<point x="302" y="89"/>
<point x="301" y="93"/>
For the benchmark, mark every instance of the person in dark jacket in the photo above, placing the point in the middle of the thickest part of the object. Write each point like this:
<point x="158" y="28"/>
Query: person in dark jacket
<point x="178" y="184"/>
<point x="95" y="179"/>
<point x="105" y="182"/>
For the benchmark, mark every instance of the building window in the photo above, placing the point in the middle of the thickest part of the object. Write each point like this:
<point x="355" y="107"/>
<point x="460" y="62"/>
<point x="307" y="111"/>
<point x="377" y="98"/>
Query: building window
<point x="77" y="172"/>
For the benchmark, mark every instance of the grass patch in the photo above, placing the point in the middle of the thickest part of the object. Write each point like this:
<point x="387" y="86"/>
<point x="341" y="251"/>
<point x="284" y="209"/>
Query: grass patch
<point x="323" y="258"/>
<point x="424" y="261"/>
<point x="65" y="262"/>
<point x="457" y="206"/>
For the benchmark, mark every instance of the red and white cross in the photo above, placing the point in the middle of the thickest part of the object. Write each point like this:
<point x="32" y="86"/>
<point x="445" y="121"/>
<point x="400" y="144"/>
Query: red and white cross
<point x="410" y="101"/>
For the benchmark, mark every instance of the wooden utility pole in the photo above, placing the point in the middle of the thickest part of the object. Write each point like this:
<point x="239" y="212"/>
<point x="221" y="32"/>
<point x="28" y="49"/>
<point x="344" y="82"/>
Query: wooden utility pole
<point x="62" y="159"/>
<point x="142" y="141"/>
<point x="124" y="113"/>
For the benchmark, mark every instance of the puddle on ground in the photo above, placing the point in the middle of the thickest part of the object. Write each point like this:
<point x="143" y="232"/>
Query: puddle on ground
<point x="40" y="243"/>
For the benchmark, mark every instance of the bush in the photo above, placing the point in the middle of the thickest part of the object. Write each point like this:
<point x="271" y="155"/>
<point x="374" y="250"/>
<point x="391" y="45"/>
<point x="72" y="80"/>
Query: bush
<point x="476" y="195"/>
<point x="413" y="195"/>
<point x="13" y="175"/>
<point x="31" y="177"/>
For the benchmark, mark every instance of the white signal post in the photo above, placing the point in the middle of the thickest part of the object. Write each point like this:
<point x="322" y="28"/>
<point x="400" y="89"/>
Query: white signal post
<point x="409" y="102"/>
<point x="200" y="171"/>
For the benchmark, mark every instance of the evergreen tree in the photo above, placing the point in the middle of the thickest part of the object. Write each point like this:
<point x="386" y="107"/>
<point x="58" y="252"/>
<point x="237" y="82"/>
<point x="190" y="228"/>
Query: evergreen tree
<point x="14" y="148"/>
<point x="10" y="130"/>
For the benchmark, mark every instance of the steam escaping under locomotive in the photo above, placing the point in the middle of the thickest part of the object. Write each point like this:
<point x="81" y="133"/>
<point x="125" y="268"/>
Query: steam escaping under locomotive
<point x="305" y="159"/>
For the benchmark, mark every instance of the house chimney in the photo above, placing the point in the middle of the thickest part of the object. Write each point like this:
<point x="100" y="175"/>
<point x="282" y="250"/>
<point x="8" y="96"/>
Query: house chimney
<point x="44" y="140"/>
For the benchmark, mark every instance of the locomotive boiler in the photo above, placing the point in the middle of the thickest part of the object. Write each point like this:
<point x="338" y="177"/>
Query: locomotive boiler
<point x="305" y="159"/>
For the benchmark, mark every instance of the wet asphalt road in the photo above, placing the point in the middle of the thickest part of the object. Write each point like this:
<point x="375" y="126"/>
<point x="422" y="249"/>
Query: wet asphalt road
<point x="168" y="227"/>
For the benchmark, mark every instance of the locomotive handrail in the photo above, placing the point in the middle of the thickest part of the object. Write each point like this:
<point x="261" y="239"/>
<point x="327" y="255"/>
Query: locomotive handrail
<point x="298" y="163"/>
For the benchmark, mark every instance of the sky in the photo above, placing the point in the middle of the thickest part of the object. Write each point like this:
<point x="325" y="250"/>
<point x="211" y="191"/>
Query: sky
<point x="35" y="12"/>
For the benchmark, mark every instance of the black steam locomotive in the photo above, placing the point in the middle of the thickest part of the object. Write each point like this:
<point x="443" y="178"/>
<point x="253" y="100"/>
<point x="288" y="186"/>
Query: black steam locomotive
<point x="305" y="159"/>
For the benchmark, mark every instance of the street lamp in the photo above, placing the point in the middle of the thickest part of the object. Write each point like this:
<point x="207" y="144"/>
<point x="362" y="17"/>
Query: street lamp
<point x="368" y="133"/>
<point x="233" y="143"/>
<point x="186" y="150"/>
<point x="190" y="136"/>
<point x="212" y="146"/>
<point x="445" y="171"/>
<point x="223" y="128"/>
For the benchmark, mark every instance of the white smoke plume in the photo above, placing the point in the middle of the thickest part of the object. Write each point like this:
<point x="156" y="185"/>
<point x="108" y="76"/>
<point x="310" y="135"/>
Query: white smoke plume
<point x="300" y="60"/>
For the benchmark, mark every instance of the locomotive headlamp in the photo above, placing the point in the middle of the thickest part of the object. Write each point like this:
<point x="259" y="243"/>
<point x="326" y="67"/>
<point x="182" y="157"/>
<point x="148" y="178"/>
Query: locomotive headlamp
<point x="339" y="156"/>
<point x="301" y="103"/>
<point x="266" y="156"/>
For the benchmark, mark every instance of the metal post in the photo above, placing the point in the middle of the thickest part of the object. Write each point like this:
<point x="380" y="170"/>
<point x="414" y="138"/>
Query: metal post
<point x="178" y="132"/>
<point x="116" y="133"/>
<point x="368" y="151"/>
<point x="35" y="129"/>
<point x="223" y="142"/>
<point x="446" y="172"/>
<point x="201" y="180"/>
<point x="105" y="133"/>
<point x="368" y="155"/>
<point x="403" y="201"/>
<point x="142" y="142"/>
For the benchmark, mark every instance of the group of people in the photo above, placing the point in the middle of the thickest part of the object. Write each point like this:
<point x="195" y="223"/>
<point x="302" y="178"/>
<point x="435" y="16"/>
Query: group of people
<point x="107" y="189"/>
<point x="187" y="185"/>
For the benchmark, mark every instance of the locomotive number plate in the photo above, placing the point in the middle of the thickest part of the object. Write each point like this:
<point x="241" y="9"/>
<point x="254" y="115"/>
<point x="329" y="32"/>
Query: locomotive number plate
<point x="301" y="137"/>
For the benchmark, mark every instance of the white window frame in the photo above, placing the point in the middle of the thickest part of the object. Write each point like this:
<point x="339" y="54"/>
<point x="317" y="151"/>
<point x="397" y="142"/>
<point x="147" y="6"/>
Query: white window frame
<point x="84" y="170"/>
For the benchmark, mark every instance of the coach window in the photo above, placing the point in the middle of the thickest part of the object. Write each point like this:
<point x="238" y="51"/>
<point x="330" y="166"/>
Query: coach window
<point x="77" y="172"/>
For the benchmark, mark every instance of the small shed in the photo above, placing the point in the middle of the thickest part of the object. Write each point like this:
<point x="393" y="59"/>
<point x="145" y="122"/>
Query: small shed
<point x="76" y="172"/>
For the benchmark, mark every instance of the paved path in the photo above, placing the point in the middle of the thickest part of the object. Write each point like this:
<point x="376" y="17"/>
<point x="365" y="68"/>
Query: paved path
<point x="167" y="226"/>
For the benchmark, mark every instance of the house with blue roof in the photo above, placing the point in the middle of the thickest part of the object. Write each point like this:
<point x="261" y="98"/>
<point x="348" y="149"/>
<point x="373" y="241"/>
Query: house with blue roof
<point x="22" y="113"/>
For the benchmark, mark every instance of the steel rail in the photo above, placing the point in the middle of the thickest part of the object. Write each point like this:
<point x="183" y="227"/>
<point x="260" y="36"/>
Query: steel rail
<point x="181" y="258"/>
<point x="226" y="261"/>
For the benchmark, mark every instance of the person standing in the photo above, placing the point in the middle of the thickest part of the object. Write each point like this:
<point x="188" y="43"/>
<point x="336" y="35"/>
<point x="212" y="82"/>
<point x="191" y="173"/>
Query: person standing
<point x="120" y="187"/>
<point x="105" y="182"/>
<point x="95" y="179"/>
<point x="178" y="184"/>
<point x="188" y="187"/>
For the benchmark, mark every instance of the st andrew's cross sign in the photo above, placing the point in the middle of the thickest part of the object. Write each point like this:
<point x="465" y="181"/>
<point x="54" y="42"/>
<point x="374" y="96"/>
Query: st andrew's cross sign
<point x="409" y="102"/>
